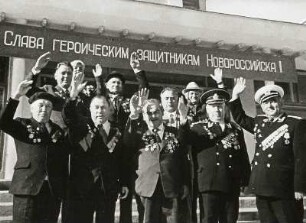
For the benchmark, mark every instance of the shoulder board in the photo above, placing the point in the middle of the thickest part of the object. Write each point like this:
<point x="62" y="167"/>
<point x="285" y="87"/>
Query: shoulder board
<point x="293" y="116"/>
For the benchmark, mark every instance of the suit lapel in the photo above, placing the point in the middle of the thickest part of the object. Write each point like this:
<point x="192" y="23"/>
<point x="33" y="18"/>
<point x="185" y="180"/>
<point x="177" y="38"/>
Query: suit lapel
<point x="111" y="134"/>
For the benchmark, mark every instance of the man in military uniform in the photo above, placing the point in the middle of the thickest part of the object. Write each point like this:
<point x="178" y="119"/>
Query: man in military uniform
<point x="162" y="178"/>
<point x="98" y="171"/>
<point x="223" y="163"/>
<point x="278" y="176"/>
<point x="40" y="172"/>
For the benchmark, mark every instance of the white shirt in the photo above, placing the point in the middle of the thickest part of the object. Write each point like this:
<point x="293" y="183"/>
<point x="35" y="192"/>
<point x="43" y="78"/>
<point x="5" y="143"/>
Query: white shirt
<point x="168" y="115"/>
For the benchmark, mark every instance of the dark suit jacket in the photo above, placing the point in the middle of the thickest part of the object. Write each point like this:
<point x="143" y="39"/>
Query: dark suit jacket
<point x="277" y="167"/>
<point x="39" y="154"/>
<point x="94" y="162"/>
<point x="222" y="158"/>
<point x="157" y="163"/>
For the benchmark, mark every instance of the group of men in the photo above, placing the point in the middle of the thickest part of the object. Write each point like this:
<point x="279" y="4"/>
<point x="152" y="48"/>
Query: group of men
<point x="82" y="150"/>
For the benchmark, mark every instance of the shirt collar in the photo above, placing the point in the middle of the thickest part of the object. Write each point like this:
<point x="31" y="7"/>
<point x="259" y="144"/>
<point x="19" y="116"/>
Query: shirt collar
<point x="169" y="114"/>
<point x="280" y="118"/>
<point x="106" y="126"/>
<point x="161" y="130"/>
<point x="61" y="89"/>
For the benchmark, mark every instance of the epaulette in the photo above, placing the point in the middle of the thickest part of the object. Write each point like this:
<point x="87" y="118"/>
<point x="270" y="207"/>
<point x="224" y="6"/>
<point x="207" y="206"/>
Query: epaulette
<point x="294" y="116"/>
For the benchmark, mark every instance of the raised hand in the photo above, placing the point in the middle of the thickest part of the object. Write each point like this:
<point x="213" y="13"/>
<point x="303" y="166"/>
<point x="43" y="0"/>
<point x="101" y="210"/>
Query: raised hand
<point x="23" y="88"/>
<point x="134" y="105"/>
<point x="42" y="61"/>
<point x="134" y="62"/>
<point x="238" y="88"/>
<point x="217" y="76"/>
<point x="137" y="101"/>
<point x="98" y="71"/>
<point x="143" y="95"/>
<point x="76" y="84"/>
<point x="182" y="108"/>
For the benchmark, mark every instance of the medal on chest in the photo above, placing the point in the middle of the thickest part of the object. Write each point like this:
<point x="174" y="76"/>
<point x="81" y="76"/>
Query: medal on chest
<point x="275" y="136"/>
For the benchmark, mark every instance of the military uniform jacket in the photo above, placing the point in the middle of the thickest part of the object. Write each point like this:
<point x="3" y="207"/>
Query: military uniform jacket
<point x="91" y="160"/>
<point x="164" y="160"/>
<point x="223" y="163"/>
<point x="278" y="160"/>
<point x="40" y="155"/>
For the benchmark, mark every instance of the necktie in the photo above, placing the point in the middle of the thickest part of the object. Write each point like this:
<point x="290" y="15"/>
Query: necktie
<point x="66" y="93"/>
<point x="171" y="120"/>
<point x="43" y="128"/>
<point x="116" y="103"/>
<point x="103" y="133"/>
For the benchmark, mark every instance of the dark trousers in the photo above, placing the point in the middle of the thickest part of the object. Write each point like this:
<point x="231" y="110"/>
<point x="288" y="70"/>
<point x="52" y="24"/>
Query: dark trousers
<point x="220" y="207"/>
<point x="41" y="208"/>
<point x="159" y="209"/>
<point x="185" y="210"/>
<point x="126" y="208"/>
<point x="81" y="208"/>
<point x="275" y="210"/>
<point x="300" y="210"/>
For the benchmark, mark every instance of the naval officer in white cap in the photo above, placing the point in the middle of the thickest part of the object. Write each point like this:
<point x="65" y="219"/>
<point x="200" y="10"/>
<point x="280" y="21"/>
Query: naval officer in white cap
<point x="277" y="178"/>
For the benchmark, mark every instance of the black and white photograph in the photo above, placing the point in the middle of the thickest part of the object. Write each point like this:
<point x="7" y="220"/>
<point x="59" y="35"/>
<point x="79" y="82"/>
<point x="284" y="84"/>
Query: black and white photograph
<point x="153" y="111"/>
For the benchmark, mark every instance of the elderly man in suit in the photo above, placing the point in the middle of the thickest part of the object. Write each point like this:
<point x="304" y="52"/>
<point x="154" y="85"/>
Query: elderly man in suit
<point x="162" y="178"/>
<point x="192" y="94"/>
<point x="113" y="88"/>
<point x="278" y="173"/>
<point x="40" y="174"/>
<point x="169" y="100"/>
<point x="98" y="171"/>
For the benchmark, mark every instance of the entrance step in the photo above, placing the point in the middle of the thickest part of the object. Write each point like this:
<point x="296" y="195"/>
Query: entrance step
<point x="247" y="213"/>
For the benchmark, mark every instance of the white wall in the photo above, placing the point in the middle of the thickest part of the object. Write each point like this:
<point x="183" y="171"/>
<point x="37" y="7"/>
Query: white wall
<point x="281" y="10"/>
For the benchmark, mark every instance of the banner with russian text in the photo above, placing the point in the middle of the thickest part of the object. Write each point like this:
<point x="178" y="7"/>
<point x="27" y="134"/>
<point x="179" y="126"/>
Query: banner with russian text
<point x="30" y="42"/>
